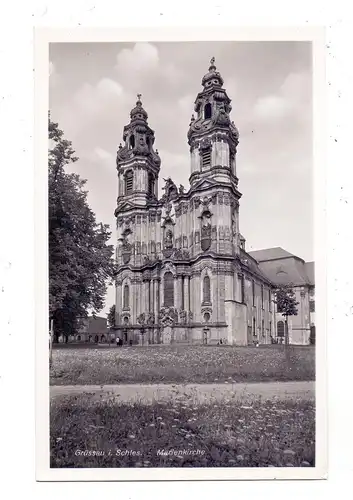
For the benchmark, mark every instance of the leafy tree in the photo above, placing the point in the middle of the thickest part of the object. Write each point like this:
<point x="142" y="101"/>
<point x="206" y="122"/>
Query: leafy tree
<point x="111" y="316"/>
<point x="286" y="305"/>
<point x="80" y="259"/>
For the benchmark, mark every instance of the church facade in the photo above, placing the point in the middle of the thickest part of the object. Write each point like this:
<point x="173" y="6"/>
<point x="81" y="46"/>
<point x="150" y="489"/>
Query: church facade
<point x="183" y="273"/>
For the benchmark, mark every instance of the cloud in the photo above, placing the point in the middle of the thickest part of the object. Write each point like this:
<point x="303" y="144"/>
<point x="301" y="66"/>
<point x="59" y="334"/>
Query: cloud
<point x="140" y="68"/>
<point x="102" y="154"/>
<point x="294" y="92"/>
<point x="135" y="65"/>
<point x="272" y="108"/>
<point x="186" y="103"/>
<point x="106" y="87"/>
<point x="54" y="77"/>
<point x="142" y="58"/>
<point x="177" y="166"/>
<point x="93" y="99"/>
<point x="297" y="87"/>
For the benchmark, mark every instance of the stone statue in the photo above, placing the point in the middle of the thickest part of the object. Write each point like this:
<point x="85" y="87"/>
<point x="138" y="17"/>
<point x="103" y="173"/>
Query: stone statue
<point x="181" y="189"/>
<point x="168" y="239"/>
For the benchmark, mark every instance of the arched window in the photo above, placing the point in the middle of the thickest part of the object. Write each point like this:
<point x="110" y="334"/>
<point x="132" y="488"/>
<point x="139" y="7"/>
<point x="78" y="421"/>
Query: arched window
<point x="168" y="289"/>
<point x="280" y="329"/>
<point x="208" y="111"/>
<point x="126" y="297"/>
<point x="150" y="184"/>
<point x="206" y="290"/>
<point x="132" y="141"/>
<point x="129" y="182"/>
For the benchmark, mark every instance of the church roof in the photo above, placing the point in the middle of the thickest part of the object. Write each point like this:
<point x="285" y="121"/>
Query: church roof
<point x="270" y="254"/>
<point x="283" y="267"/>
<point x="251" y="263"/>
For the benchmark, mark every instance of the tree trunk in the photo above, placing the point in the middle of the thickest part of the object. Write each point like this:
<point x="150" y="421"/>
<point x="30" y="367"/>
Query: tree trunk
<point x="51" y="344"/>
<point x="286" y="338"/>
<point x="286" y="333"/>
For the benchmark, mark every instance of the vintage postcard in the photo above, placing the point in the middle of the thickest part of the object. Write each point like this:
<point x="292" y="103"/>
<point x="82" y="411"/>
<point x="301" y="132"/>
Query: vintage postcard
<point x="179" y="217"/>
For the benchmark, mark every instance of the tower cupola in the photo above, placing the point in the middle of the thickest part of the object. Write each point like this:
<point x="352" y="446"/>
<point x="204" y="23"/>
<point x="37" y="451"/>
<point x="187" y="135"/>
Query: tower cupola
<point x="212" y="136"/>
<point x="137" y="162"/>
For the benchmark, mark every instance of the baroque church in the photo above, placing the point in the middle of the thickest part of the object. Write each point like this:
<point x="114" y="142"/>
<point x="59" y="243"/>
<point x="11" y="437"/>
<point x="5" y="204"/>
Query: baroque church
<point x="184" y="275"/>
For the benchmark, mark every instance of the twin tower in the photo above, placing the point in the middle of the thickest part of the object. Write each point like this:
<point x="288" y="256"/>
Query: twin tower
<point x="181" y="262"/>
<point x="212" y="137"/>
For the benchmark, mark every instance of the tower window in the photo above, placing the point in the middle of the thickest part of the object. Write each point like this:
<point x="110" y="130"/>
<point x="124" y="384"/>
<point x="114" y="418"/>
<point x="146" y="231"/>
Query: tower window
<point x="150" y="184"/>
<point x="253" y="292"/>
<point x="132" y="141"/>
<point x="206" y="158"/>
<point x="206" y="290"/>
<point x="129" y="182"/>
<point x="208" y="111"/>
<point x="168" y="290"/>
<point x="126" y="297"/>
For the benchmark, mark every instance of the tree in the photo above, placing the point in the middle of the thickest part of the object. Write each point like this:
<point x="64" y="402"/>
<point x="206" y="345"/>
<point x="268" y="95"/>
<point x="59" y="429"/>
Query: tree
<point x="286" y="305"/>
<point x="111" y="316"/>
<point x="80" y="260"/>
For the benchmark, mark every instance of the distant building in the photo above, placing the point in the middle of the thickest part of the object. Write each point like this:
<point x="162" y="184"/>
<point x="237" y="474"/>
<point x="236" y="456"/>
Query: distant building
<point x="282" y="267"/>
<point x="93" y="330"/>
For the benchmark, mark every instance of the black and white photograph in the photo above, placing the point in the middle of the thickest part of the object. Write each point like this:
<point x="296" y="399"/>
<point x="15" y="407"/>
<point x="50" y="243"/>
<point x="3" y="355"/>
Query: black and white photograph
<point x="183" y="331"/>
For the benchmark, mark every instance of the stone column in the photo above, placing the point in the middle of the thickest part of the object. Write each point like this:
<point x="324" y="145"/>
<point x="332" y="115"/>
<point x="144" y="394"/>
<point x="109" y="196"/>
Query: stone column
<point x="186" y="294"/>
<point x="117" y="302"/>
<point x="191" y="295"/>
<point x="147" y="296"/>
<point x="182" y="279"/>
<point x="134" y="300"/>
<point x="177" y="295"/>
<point x="155" y="299"/>
<point x="141" y="297"/>
<point x="152" y="294"/>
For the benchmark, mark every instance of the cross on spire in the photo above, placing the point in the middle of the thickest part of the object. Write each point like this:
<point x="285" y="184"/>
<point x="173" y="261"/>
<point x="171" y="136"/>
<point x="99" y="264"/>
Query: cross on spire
<point x="139" y="96"/>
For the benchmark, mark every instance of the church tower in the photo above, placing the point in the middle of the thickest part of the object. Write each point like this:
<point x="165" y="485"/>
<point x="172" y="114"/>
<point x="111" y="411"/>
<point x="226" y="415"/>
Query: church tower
<point x="212" y="137"/>
<point x="137" y="162"/>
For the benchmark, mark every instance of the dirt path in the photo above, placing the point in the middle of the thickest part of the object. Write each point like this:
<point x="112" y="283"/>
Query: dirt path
<point x="192" y="392"/>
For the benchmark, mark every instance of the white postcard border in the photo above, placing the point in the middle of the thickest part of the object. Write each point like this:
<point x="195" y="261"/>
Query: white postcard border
<point x="44" y="36"/>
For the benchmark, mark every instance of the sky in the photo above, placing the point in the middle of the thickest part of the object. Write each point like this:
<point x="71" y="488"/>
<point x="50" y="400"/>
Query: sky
<point x="93" y="87"/>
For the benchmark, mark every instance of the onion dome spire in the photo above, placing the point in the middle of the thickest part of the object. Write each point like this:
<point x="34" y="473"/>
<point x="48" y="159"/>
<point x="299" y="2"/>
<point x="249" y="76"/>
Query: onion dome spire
<point x="138" y="112"/>
<point x="213" y="77"/>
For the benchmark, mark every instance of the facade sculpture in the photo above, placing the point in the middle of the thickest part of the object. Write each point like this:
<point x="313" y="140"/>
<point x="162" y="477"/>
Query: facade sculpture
<point x="181" y="258"/>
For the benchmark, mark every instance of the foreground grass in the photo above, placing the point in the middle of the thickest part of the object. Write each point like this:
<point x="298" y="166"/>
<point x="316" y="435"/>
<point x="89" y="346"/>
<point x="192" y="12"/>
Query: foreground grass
<point x="86" y="433"/>
<point x="181" y="364"/>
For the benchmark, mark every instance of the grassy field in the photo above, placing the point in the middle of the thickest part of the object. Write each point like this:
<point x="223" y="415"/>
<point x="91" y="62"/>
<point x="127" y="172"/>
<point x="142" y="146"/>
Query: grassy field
<point x="181" y="364"/>
<point x="255" y="433"/>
